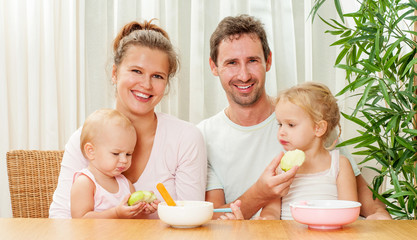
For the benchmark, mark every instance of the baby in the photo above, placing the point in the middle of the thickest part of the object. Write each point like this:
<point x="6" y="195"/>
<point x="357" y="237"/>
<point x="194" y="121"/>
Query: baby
<point x="107" y="140"/>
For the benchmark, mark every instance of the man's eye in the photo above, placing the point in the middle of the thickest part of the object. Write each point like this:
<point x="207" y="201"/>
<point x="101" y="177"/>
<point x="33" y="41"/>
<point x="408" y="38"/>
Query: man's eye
<point x="136" y="71"/>
<point x="291" y="125"/>
<point x="128" y="154"/>
<point x="115" y="154"/>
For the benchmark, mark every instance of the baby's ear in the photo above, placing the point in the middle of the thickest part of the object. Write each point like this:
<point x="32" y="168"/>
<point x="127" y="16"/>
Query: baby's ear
<point x="321" y="128"/>
<point x="89" y="151"/>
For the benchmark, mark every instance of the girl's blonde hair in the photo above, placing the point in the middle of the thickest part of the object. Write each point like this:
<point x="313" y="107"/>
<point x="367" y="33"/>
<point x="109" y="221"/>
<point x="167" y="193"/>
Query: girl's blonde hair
<point x="99" y="120"/>
<point x="319" y="103"/>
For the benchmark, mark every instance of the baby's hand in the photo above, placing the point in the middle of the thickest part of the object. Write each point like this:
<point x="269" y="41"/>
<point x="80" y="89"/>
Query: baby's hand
<point x="236" y="212"/>
<point x="151" y="207"/>
<point x="125" y="211"/>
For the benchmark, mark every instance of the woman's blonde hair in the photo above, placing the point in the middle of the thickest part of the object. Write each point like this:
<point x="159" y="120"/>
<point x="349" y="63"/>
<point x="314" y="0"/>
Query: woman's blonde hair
<point x="97" y="121"/>
<point x="319" y="103"/>
<point x="148" y="35"/>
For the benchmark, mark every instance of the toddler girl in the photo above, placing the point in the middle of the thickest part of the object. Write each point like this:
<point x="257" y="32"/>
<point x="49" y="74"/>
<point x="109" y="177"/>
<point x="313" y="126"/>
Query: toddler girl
<point x="307" y="114"/>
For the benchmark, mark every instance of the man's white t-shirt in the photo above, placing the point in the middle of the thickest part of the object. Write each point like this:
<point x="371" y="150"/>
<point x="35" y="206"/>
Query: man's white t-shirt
<point x="237" y="155"/>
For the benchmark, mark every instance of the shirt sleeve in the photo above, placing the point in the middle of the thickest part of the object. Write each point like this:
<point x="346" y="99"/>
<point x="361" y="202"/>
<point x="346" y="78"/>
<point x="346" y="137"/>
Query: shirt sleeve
<point x="213" y="181"/>
<point x="72" y="161"/>
<point x="191" y="174"/>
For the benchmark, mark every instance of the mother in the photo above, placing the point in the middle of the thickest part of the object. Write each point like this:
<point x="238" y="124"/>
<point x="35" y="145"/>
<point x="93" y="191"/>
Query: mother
<point x="168" y="150"/>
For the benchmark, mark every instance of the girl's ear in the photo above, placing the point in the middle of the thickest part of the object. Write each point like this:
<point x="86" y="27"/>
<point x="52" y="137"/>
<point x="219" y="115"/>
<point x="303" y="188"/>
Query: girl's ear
<point x="89" y="151"/>
<point x="321" y="128"/>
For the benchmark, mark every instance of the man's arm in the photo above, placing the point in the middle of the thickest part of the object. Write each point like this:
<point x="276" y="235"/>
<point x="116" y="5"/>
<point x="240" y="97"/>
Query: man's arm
<point x="269" y="186"/>
<point x="371" y="209"/>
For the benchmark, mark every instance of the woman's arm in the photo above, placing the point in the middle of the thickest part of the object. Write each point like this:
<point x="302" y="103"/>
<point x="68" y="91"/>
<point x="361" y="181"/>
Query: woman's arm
<point x="191" y="172"/>
<point x="72" y="161"/>
<point x="346" y="181"/>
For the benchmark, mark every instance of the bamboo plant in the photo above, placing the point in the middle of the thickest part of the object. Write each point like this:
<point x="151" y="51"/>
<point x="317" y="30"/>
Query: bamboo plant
<point x="378" y="54"/>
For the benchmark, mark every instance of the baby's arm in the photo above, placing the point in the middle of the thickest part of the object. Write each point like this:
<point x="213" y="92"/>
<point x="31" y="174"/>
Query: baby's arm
<point x="271" y="211"/>
<point x="82" y="202"/>
<point x="346" y="181"/>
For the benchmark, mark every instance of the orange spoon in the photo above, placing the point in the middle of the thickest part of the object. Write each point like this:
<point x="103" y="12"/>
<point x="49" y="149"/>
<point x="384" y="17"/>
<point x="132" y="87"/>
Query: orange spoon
<point x="163" y="191"/>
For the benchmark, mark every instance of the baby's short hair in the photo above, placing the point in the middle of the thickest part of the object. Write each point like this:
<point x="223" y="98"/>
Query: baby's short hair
<point x="98" y="120"/>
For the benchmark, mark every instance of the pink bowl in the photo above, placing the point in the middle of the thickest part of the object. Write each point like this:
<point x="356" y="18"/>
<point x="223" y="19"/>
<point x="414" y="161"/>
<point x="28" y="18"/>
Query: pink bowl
<point x="325" y="214"/>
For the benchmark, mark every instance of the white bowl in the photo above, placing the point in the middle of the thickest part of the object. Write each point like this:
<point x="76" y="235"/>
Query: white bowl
<point x="186" y="214"/>
<point x="325" y="214"/>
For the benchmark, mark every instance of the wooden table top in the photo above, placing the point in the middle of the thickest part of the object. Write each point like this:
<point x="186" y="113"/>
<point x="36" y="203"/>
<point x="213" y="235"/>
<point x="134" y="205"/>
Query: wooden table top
<point x="31" y="228"/>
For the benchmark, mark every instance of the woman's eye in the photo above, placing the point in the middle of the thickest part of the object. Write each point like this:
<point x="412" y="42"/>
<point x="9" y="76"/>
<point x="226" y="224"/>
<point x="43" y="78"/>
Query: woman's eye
<point x="128" y="154"/>
<point x="158" y="76"/>
<point x="136" y="71"/>
<point x="291" y="125"/>
<point x="115" y="154"/>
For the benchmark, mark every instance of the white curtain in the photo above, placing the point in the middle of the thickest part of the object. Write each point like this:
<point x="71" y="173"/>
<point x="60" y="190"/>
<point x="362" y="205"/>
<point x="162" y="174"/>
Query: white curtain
<point x="41" y="78"/>
<point x="55" y="61"/>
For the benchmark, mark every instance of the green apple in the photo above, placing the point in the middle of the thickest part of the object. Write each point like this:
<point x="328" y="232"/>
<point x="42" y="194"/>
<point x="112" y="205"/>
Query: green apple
<point x="141" y="196"/>
<point x="292" y="158"/>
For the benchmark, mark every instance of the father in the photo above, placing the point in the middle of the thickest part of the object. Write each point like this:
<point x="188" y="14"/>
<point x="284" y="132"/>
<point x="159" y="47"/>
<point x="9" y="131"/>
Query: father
<point x="242" y="139"/>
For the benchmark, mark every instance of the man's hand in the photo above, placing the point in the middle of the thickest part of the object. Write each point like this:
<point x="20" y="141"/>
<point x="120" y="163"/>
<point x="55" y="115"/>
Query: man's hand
<point x="270" y="185"/>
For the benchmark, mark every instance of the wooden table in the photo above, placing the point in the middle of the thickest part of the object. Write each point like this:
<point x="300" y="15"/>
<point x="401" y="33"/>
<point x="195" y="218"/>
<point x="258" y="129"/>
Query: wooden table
<point x="31" y="228"/>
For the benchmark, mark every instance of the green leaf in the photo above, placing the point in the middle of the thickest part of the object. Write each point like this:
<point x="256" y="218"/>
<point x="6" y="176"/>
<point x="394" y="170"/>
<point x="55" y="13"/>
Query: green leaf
<point x="402" y="17"/>
<point x="339" y="9"/>
<point x="341" y="41"/>
<point x="384" y="91"/>
<point x="402" y="194"/>
<point x="397" y="187"/>
<point x="356" y="120"/>
<point x="409" y="65"/>
<point x="413" y="4"/>
<point x="370" y="67"/>
<point x="375" y="169"/>
<point x="410" y="131"/>
<point x="315" y="9"/>
<point x="355" y="140"/>
<point x="410" y="187"/>
<point x="350" y="68"/>
<point x="390" y="62"/>
<point x="383" y="200"/>
<point x="367" y="142"/>
<point x="393" y="123"/>
<point x="392" y="47"/>
<point x="341" y="55"/>
<point x="329" y="24"/>
<point x="360" y="38"/>
<point x="404" y="143"/>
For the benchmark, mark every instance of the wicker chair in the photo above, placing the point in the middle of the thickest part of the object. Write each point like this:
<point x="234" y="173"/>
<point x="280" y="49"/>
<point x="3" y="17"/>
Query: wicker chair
<point x="33" y="176"/>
